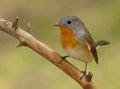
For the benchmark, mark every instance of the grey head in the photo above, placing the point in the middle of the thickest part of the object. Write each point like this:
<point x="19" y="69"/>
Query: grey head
<point x="71" y="22"/>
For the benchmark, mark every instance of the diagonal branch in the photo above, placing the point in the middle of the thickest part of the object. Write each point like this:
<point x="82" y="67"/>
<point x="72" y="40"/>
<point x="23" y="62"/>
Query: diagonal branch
<point x="26" y="39"/>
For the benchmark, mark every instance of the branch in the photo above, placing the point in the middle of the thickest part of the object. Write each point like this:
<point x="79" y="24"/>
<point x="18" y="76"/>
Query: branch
<point x="26" y="39"/>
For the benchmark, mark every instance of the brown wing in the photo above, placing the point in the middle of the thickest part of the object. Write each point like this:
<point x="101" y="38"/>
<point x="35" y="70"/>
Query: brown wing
<point x="92" y="45"/>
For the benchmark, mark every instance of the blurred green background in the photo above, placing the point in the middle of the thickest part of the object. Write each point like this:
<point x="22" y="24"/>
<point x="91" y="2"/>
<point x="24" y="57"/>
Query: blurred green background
<point x="22" y="68"/>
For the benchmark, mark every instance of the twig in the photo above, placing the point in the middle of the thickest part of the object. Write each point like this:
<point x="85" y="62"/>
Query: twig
<point x="26" y="39"/>
<point x="28" y="27"/>
<point x="15" y="23"/>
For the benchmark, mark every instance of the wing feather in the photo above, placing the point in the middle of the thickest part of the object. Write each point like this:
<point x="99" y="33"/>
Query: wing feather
<point x="91" y="46"/>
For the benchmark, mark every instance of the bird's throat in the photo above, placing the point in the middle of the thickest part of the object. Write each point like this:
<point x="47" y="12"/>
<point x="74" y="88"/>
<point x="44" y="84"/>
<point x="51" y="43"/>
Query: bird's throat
<point x="68" y="38"/>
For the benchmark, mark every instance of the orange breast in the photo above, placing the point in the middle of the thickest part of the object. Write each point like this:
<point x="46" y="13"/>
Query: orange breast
<point x="68" y="38"/>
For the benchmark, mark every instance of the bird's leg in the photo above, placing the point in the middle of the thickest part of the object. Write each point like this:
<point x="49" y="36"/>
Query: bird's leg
<point x="84" y="72"/>
<point x="63" y="58"/>
<point x="88" y="76"/>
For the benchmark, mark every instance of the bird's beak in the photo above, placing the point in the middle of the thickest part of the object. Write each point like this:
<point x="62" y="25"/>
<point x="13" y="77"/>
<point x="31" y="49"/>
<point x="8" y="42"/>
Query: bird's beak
<point x="57" y="24"/>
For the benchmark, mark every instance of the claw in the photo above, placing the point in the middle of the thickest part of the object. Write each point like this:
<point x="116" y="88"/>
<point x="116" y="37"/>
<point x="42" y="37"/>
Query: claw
<point x="63" y="58"/>
<point x="89" y="76"/>
<point x="84" y="74"/>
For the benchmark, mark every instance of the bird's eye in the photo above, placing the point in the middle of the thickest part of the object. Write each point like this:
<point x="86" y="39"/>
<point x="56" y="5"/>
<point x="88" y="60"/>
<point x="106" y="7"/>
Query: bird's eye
<point x="69" y="22"/>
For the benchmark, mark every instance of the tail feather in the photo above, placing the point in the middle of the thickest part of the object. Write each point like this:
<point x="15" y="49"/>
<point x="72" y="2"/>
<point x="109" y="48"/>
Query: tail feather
<point x="101" y="43"/>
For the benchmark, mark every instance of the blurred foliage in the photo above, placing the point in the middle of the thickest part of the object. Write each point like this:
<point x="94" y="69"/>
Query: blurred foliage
<point x="22" y="68"/>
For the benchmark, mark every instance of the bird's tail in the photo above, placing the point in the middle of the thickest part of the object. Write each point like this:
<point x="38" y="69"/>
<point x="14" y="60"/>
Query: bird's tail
<point x="101" y="43"/>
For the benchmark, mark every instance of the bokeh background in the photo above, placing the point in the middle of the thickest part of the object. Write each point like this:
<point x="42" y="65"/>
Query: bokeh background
<point x="22" y="68"/>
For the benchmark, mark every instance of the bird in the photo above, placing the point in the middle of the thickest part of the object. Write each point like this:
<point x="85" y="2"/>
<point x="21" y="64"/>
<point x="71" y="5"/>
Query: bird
<point x="77" y="41"/>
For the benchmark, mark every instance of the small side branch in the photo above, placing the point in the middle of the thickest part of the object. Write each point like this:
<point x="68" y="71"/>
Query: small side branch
<point x="15" y="23"/>
<point x="26" y="39"/>
<point x="28" y="27"/>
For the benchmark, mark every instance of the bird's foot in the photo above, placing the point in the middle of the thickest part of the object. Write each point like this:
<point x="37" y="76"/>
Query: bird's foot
<point x="63" y="58"/>
<point x="84" y="74"/>
<point x="88" y="76"/>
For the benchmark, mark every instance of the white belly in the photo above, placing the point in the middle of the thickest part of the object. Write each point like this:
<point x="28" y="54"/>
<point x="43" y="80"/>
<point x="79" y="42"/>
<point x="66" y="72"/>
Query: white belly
<point x="80" y="54"/>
